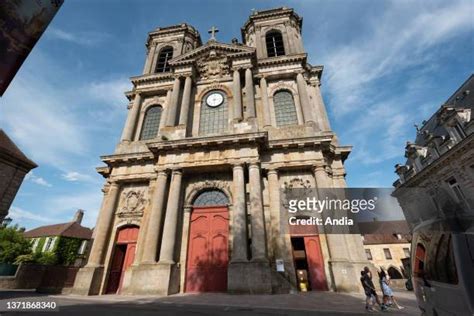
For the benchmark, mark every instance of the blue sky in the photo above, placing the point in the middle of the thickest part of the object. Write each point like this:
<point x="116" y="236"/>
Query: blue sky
<point x="388" y="65"/>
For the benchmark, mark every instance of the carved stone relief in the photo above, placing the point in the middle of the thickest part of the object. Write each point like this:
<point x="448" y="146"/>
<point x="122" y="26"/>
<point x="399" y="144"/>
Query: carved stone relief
<point x="214" y="65"/>
<point x="133" y="201"/>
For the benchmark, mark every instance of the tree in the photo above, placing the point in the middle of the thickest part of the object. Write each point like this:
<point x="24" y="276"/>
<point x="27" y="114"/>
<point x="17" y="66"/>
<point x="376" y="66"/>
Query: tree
<point x="12" y="244"/>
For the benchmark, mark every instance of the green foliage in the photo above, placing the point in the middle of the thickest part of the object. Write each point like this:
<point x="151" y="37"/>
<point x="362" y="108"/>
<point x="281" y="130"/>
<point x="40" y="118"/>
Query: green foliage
<point x="29" y="258"/>
<point x="67" y="249"/>
<point x="47" y="258"/>
<point x="12" y="244"/>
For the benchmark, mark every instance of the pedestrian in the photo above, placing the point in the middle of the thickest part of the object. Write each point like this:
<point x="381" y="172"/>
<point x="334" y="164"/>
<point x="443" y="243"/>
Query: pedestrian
<point x="388" y="297"/>
<point x="369" y="289"/>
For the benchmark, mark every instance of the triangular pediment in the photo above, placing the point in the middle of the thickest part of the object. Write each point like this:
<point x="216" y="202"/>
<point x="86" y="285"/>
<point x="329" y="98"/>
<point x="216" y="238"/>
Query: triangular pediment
<point x="211" y="50"/>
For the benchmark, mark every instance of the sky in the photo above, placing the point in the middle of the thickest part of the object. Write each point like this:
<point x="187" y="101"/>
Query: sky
<point x="387" y="66"/>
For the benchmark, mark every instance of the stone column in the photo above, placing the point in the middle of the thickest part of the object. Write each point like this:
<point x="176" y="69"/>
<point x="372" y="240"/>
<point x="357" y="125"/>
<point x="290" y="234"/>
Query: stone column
<point x="266" y="107"/>
<point x="274" y="197"/>
<point x="321" y="177"/>
<point x="103" y="226"/>
<point x="304" y="99"/>
<point x="239" y="218"/>
<point x="236" y="89"/>
<point x="147" y="69"/>
<point x="183" y="117"/>
<point x="132" y="117"/>
<point x="154" y="219"/>
<point x="250" y="94"/>
<point x="173" y="106"/>
<point x="322" y="116"/>
<point x="259" y="245"/>
<point x="171" y="219"/>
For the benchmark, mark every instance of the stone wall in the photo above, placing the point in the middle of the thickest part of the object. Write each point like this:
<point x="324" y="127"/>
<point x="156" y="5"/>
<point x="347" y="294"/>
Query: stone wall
<point x="45" y="279"/>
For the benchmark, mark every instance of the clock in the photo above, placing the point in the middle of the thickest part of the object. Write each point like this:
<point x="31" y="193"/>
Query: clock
<point x="214" y="99"/>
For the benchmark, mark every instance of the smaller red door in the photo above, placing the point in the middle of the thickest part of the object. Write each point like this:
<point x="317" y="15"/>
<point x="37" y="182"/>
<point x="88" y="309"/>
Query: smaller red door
<point x="116" y="269"/>
<point x="314" y="257"/>
<point x="123" y="256"/>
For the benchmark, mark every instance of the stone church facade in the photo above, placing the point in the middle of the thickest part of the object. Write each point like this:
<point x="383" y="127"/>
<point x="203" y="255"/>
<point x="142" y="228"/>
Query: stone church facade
<point x="214" y="132"/>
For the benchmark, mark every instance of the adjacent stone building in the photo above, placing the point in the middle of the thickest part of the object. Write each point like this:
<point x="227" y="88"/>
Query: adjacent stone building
<point x="437" y="180"/>
<point x="14" y="165"/>
<point x="387" y="250"/>
<point x="192" y="200"/>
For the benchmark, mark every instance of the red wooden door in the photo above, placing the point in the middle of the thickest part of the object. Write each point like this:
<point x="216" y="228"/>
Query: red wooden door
<point x="315" y="261"/>
<point x="123" y="256"/>
<point x="208" y="253"/>
<point x="116" y="269"/>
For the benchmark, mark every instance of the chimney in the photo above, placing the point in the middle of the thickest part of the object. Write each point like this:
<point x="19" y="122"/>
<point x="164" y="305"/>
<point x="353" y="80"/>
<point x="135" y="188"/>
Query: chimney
<point x="78" y="216"/>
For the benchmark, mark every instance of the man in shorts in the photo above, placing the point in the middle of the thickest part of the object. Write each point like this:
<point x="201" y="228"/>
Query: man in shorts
<point x="369" y="289"/>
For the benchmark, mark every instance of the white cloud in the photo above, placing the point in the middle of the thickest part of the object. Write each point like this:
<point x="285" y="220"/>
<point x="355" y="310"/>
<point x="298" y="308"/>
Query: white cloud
<point x="110" y="92"/>
<point x="403" y="37"/>
<point x="38" y="180"/>
<point x="74" y="176"/>
<point x="67" y="204"/>
<point x="41" y="118"/>
<point x="18" y="214"/>
<point x="87" y="38"/>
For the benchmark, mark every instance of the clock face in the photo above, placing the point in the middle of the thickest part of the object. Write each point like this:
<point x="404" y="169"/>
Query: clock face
<point x="214" y="99"/>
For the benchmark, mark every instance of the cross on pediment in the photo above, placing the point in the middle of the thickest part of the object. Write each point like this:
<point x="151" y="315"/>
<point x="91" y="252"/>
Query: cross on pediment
<point x="213" y="32"/>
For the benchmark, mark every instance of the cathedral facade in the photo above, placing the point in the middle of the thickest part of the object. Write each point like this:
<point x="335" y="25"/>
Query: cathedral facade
<point x="214" y="133"/>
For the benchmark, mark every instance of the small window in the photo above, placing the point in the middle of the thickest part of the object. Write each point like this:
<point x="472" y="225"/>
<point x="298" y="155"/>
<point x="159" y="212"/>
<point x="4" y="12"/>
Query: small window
<point x="406" y="251"/>
<point x="49" y="244"/>
<point x="34" y="244"/>
<point x="151" y="122"/>
<point x="456" y="188"/>
<point x="82" y="248"/>
<point x="388" y="254"/>
<point x="368" y="253"/>
<point x="165" y="55"/>
<point x="285" y="110"/>
<point x="274" y="41"/>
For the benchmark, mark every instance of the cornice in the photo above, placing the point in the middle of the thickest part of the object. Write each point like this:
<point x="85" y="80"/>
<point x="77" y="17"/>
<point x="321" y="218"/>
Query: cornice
<point x="174" y="29"/>
<point x="151" y="78"/>
<point x="465" y="145"/>
<point x="234" y="51"/>
<point x="200" y="142"/>
<point x="272" y="14"/>
<point x="132" y="157"/>
<point x="282" y="60"/>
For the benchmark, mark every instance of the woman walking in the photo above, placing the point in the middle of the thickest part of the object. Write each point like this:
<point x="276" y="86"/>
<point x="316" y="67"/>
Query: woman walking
<point x="388" y="297"/>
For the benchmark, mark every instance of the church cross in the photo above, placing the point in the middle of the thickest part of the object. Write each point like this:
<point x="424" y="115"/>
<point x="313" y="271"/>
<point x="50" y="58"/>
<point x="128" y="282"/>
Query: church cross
<point x="213" y="32"/>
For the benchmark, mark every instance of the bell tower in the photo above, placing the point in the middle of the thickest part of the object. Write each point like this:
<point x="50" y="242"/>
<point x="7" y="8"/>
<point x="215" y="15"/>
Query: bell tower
<point x="274" y="33"/>
<point x="165" y="43"/>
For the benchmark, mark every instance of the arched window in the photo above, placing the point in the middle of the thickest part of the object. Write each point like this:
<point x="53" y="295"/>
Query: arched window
<point x="214" y="113"/>
<point x="151" y="122"/>
<point x="211" y="198"/>
<point x="274" y="41"/>
<point x="165" y="55"/>
<point x="285" y="110"/>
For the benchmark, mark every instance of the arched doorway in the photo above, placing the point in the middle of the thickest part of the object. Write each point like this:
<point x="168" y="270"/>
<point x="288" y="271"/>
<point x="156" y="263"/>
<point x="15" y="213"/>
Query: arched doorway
<point x="122" y="257"/>
<point x="308" y="257"/>
<point x="208" y="250"/>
